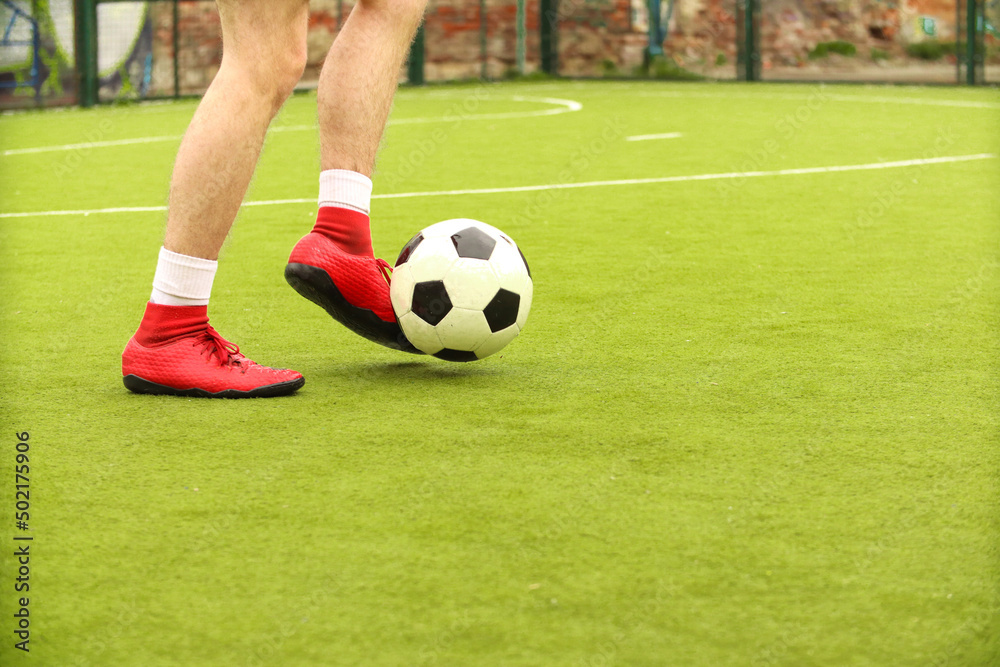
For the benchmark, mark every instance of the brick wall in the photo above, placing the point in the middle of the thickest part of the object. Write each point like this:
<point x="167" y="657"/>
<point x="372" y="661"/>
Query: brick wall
<point x="199" y="42"/>
<point x="593" y="34"/>
<point x="790" y="29"/>
<point x="591" y="31"/>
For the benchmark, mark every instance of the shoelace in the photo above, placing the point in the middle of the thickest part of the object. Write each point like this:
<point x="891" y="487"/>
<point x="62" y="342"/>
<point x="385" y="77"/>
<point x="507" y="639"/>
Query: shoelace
<point x="385" y="268"/>
<point x="227" y="353"/>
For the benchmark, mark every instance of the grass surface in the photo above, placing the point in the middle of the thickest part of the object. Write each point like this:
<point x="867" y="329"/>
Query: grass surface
<point x="750" y="422"/>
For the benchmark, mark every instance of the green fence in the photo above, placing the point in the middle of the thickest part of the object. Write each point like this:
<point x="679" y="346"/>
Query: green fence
<point x="146" y="50"/>
<point x="97" y="51"/>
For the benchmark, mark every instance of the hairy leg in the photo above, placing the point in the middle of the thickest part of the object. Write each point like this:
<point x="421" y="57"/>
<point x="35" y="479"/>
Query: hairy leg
<point x="264" y="53"/>
<point x="334" y="265"/>
<point x="359" y="80"/>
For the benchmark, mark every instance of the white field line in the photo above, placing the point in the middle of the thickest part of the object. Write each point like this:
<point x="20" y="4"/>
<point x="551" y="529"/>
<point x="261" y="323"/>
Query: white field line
<point x="129" y="142"/>
<point x="648" y="137"/>
<point x="416" y="93"/>
<point x="551" y="186"/>
<point x="91" y="144"/>
<point x="562" y="106"/>
<point x="817" y="94"/>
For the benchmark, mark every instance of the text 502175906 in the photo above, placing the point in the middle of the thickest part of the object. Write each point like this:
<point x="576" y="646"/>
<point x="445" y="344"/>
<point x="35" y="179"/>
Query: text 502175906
<point x="22" y="547"/>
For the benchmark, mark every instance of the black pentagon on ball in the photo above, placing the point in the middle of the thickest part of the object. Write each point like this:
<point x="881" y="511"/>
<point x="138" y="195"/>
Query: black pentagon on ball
<point x="431" y="301"/>
<point x="473" y="243"/>
<point x="501" y="311"/>
<point x="525" y="262"/>
<point x="408" y="249"/>
<point x="456" y="355"/>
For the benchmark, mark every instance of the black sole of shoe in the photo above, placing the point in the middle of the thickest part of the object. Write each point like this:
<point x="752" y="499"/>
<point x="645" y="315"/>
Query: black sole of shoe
<point x="314" y="284"/>
<point x="137" y="385"/>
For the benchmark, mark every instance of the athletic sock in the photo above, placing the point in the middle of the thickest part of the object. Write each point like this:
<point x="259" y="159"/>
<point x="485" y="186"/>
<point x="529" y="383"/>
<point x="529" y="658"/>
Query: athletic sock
<point x="344" y="204"/>
<point x="181" y="280"/>
<point x="162" y="324"/>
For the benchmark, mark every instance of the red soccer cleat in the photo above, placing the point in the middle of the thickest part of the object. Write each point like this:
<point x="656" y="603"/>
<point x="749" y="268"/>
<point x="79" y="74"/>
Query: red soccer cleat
<point x="353" y="287"/>
<point x="177" y="352"/>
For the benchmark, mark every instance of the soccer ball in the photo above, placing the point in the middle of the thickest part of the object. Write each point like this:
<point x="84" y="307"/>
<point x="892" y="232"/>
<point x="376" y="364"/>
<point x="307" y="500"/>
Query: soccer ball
<point x="461" y="290"/>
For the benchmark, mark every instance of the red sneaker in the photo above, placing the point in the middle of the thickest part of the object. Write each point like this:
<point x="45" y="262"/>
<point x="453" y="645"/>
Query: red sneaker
<point x="353" y="287"/>
<point x="176" y="352"/>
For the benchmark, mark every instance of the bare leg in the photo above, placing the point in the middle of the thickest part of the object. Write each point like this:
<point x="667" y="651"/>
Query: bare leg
<point x="176" y="351"/>
<point x="359" y="79"/>
<point x="264" y="54"/>
<point x="334" y="265"/>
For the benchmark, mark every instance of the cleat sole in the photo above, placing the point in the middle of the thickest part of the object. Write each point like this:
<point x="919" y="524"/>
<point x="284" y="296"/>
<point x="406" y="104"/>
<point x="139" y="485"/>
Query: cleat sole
<point x="316" y="285"/>
<point x="137" y="385"/>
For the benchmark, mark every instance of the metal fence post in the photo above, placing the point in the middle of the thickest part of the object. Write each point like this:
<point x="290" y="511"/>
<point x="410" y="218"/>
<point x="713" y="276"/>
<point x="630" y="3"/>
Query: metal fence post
<point x="176" y="48"/>
<point x="415" y="65"/>
<point x="548" y="28"/>
<point x="970" y="42"/>
<point x="519" y="49"/>
<point x="483" y="28"/>
<point x="747" y="46"/>
<point x="655" y="46"/>
<point x="86" y="52"/>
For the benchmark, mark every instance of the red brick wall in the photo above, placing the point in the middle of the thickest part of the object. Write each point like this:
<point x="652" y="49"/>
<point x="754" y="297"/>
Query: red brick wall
<point x="590" y="31"/>
<point x="790" y="29"/>
<point x="199" y="46"/>
<point x="592" y="35"/>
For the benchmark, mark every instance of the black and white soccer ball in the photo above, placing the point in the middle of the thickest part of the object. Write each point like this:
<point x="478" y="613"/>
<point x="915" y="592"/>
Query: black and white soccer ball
<point x="461" y="290"/>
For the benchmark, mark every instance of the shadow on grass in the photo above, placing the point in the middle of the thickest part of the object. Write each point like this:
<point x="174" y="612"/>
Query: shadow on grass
<point x="413" y="370"/>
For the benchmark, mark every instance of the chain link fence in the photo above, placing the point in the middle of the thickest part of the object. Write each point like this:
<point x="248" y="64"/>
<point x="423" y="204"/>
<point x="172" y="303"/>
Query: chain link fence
<point x="60" y="51"/>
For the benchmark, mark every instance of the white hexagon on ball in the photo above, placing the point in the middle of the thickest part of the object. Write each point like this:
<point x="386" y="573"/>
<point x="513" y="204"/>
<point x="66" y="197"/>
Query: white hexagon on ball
<point x="497" y="342"/>
<point x="463" y="330"/>
<point x="471" y="283"/>
<point x="526" y="297"/>
<point x="510" y="269"/>
<point x="401" y="290"/>
<point x="423" y="335"/>
<point x="431" y="259"/>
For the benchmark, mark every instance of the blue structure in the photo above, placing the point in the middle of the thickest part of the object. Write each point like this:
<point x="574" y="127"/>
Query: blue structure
<point x="35" y="78"/>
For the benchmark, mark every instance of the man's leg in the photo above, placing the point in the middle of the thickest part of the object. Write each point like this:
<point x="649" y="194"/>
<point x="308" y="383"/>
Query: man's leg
<point x="264" y="53"/>
<point x="334" y="265"/>
<point x="175" y="350"/>
<point x="359" y="78"/>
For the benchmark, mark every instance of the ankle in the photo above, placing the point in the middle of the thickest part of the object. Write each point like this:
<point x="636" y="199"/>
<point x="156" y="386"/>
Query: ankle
<point x="182" y="280"/>
<point x="163" y="324"/>
<point x="349" y="229"/>
<point x="343" y="188"/>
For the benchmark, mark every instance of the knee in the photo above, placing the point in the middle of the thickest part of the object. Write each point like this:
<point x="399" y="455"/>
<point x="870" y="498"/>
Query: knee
<point x="405" y="11"/>
<point x="275" y="73"/>
<point x="286" y="72"/>
<point x="264" y="45"/>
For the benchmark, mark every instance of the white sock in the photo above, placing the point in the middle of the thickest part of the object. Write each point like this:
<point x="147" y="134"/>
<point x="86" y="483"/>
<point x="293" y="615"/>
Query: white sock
<point x="181" y="280"/>
<point x="345" y="189"/>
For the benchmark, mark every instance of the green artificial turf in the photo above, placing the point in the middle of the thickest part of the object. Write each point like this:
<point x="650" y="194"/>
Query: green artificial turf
<point x="750" y="421"/>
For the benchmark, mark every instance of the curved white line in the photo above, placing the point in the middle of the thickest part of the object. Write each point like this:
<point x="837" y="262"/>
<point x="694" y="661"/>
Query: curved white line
<point x="554" y="186"/>
<point x="564" y="106"/>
